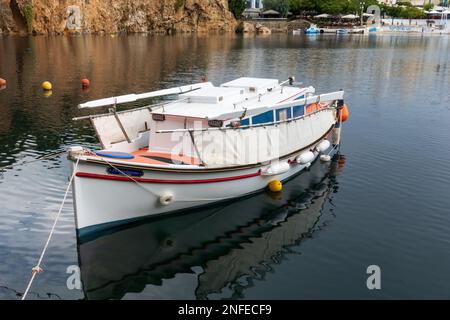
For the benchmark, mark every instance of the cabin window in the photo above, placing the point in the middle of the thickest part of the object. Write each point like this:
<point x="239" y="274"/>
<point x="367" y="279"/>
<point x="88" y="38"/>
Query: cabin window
<point x="263" y="118"/>
<point x="301" y="97"/>
<point x="299" y="111"/>
<point x="245" y="122"/>
<point x="215" y="123"/>
<point x="283" y="114"/>
<point x="158" y="117"/>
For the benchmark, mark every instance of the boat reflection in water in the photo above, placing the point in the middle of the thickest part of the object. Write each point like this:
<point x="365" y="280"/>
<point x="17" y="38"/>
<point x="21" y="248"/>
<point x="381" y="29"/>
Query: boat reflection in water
<point x="228" y="242"/>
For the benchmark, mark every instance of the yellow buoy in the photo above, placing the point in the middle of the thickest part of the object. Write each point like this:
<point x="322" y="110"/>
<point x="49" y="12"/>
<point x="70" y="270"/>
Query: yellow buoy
<point x="46" y="85"/>
<point x="275" y="186"/>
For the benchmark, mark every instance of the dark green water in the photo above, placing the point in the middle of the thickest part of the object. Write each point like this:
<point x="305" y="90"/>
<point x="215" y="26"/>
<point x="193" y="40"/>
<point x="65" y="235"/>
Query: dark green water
<point x="385" y="202"/>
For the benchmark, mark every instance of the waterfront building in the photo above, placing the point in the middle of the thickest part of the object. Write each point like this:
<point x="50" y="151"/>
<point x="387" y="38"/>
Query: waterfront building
<point x="254" y="4"/>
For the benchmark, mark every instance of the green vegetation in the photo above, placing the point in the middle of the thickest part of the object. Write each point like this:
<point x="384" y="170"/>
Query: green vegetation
<point x="179" y="4"/>
<point x="329" y="6"/>
<point x="29" y="16"/>
<point x="428" y="6"/>
<point x="282" y="6"/>
<point x="403" y="9"/>
<point x="406" y="11"/>
<point x="237" y="7"/>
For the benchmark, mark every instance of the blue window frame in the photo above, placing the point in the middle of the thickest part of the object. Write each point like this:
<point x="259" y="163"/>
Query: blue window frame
<point x="263" y="118"/>
<point x="299" y="111"/>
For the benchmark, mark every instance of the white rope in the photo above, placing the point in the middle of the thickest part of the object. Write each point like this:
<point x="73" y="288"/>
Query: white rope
<point x="37" y="269"/>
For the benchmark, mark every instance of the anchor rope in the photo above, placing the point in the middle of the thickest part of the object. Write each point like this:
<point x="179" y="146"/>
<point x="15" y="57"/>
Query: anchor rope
<point x="37" y="268"/>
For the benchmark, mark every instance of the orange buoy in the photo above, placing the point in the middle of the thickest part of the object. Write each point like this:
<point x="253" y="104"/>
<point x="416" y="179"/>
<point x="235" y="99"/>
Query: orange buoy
<point x="344" y="113"/>
<point x="85" y="83"/>
<point x="2" y="82"/>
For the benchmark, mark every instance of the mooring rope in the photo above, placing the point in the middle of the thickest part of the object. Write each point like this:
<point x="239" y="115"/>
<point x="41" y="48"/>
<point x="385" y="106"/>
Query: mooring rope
<point x="37" y="268"/>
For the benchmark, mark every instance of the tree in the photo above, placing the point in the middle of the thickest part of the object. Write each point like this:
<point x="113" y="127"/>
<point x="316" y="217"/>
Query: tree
<point x="297" y="6"/>
<point x="237" y="7"/>
<point x="282" y="6"/>
<point x="428" y="6"/>
<point x="392" y="11"/>
<point x="411" y="13"/>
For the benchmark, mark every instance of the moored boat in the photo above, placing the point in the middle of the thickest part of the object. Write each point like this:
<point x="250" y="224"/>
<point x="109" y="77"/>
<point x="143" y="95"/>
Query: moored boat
<point x="209" y="144"/>
<point x="313" y="29"/>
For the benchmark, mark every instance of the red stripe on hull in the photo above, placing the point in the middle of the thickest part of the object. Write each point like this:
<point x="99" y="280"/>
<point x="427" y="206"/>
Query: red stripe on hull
<point x="168" y="181"/>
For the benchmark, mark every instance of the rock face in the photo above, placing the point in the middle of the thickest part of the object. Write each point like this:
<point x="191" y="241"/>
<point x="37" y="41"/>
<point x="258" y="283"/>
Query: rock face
<point x="111" y="16"/>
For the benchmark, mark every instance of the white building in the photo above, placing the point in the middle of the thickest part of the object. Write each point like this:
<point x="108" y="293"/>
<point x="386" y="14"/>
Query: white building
<point x="254" y="4"/>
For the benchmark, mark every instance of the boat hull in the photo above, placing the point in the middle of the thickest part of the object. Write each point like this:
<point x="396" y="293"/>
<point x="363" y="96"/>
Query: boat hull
<point x="103" y="200"/>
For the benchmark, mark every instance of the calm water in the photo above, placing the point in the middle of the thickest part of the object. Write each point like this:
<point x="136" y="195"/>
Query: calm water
<point x="385" y="202"/>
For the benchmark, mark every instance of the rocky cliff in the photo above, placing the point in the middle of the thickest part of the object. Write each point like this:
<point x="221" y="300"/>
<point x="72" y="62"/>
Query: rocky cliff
<point x="111" y="16"/>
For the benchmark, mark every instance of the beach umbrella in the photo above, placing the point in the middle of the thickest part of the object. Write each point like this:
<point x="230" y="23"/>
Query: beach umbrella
<point x="322" y="16"/>
<point x="271" y="12"/>
<point x="350" y="16"/>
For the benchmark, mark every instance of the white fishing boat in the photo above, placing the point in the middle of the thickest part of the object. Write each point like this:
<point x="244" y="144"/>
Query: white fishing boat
<point x="208" y="144"/>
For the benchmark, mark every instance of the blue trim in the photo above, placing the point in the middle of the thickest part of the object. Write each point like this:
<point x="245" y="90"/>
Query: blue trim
<point x="245" y="122"/>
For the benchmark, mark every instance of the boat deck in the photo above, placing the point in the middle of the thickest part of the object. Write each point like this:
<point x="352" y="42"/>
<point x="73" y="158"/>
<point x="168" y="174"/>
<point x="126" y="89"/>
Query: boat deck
<point x="144" y="156"/>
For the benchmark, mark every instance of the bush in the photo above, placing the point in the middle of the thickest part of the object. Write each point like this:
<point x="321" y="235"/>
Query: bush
<point x="179" y="4"/>
<point x="29" y="16"/>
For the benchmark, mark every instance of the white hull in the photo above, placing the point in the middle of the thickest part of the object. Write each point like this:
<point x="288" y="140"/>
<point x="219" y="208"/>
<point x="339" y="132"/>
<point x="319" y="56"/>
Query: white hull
<point x="102" y="203"/>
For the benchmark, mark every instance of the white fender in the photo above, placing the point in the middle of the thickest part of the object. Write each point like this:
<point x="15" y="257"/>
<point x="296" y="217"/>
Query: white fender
<point x="276" y="168"/>
<point x="305" y="157"/>
<point x="323" y="146"/>
<point x="166" y="199"/>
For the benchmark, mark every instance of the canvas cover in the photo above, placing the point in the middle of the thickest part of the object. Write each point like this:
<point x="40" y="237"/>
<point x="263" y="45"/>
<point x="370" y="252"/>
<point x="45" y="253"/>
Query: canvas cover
<point x="233" y="147"/>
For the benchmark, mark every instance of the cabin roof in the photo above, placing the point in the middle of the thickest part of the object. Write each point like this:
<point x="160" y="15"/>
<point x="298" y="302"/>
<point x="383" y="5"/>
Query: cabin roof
<point x="206" y="102"/>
